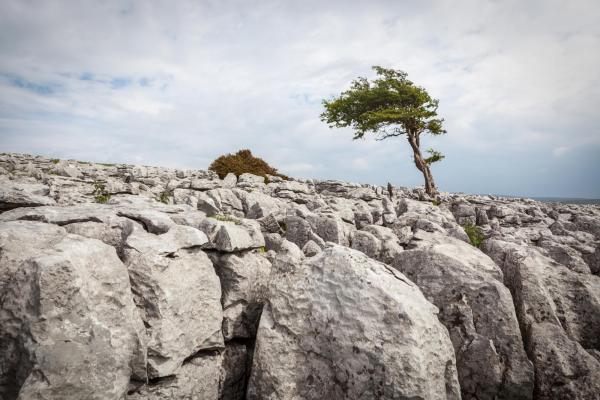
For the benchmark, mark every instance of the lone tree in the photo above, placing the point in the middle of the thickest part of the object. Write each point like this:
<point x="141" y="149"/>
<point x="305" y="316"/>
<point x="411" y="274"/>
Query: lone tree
<point x="389" y="106"/>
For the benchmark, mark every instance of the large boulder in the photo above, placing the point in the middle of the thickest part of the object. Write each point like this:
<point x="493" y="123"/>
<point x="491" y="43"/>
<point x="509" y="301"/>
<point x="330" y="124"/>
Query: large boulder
<point x="230" y="234"/>
<point x="68" y="326"/>
<point x="244" y="280"/>
<point x="342" y="325"/>
<point x="478" y="311"/>
<point x="179" y="294"/>
<point x="559" y="313"/>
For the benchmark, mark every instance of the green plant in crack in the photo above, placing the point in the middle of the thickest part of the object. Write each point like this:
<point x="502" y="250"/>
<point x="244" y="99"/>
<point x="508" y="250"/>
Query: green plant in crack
<point x="100" y="193"/>
<point x="164" y="196"/>
<point x="474" y="233"/>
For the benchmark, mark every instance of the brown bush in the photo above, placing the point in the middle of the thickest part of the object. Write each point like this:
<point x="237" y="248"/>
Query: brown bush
<point x="241" y="162"/>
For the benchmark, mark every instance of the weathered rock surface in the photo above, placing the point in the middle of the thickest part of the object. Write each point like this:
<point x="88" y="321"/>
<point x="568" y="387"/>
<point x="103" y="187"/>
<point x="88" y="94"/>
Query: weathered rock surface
<point x="244" y="280"/>
<point x="559" y="314"/>
<point x="344" y="326"/>
<point x="477" y="310"/>
<point x="69" y="327"/>
<point x="170" y="278"/>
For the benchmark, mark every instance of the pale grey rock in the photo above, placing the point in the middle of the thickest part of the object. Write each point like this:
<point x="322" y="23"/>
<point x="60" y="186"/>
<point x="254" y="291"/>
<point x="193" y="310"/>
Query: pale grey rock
<point x="269" y="224"/>
<point x="297" y="230"/>
<point x="343" y="208"/>
<point x="283" y="246"/>
<point x="559" y="313"/>
<point x="388" y="212"/>
<point x="478" y="311"/>
<point x="230" y="180"/>
<point x="178" y="237"/>
<point x="291" y="186"/>
<point x="204" y="184"/>
<point x="67" y="169"/>
<point x="367" y="243"/>
<point x="588" y="223"/>
<point x="13" y="195"/>
<point x="207" y="205"/>
<point x="208" y="376"/>
<point x="153" y="221"/>
<point x="499" y="211"/>
<point x="68" y="326"/>
<point x="565" y="255"/>
<point x="244" y="279"/>
<point x="481" y="217"/>
<point x="114" y="187"/>
<point x="330" y="228"/>
<point x="311" y="249"/>
<point x="258" y="205"/>
<point x="320" y="339"/>
<point x="564" y="370"/>
<point x="251" y="179"/>
<point x="225" y="200"/>
<point x="464" y="213"/>
<point x="389" y="245"/>
<point x="180" y="301"/>
<point x="403" y="233"/>
<point x="362" y="215"/>
<point x="231" y="234"/>
<point x="185" y="196"/>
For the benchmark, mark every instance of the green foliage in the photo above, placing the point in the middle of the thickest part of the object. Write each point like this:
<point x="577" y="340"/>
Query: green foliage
<point x="243" y="162"/>
<point x="227" y="218"/>
<point x="262" y="249"/>
<point x="55" y="161"/>
<point x="475" y="234"/>
<point x="164" y="196"/>
<point x="107" y="164"/>
<point x="434" y="156"/>
<point x="388" y="106"/>
<point x="100" y="193"/>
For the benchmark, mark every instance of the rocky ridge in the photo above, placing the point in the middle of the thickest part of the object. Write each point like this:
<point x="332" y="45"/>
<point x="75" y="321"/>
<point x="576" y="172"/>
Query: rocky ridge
<point x="134" y="282"/>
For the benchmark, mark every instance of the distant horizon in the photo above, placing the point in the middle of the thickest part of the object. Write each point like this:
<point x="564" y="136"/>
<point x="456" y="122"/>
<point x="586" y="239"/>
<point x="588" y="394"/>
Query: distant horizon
<point x="179" y="84"/>
<point x="383" y="184"/>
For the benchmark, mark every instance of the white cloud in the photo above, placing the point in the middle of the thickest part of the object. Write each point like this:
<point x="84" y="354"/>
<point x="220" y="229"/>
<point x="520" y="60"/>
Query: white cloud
<point x="560" y="150"/>
<point x="360" y="163"/>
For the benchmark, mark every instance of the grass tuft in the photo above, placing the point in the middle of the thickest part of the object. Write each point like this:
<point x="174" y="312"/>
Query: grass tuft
<point x="474" y="233"/>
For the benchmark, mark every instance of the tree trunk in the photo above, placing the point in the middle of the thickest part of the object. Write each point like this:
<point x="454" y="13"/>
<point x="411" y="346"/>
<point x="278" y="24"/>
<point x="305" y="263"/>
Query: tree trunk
<point x="422" y="166"/>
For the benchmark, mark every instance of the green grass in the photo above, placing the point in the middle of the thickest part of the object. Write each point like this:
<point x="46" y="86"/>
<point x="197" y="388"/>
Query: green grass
<point x="475" y="234"/>
<point x="55" y="161"/>
<point x="107" y="164"/>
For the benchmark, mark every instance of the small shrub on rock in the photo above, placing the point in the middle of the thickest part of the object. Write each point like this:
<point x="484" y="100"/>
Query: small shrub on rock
<point x="474" y="233"/>
<point x="100" y="194"/>
<point x="164" y="196"/>
<point x="243" y="162"/>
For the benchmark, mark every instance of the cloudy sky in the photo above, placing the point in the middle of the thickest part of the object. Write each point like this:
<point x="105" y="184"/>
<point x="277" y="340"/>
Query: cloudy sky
<point x="179" y="83"/>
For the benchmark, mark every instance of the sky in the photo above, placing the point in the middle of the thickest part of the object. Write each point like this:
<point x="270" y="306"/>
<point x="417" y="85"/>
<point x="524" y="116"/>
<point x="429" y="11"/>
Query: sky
<point x="179" y="83"/>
